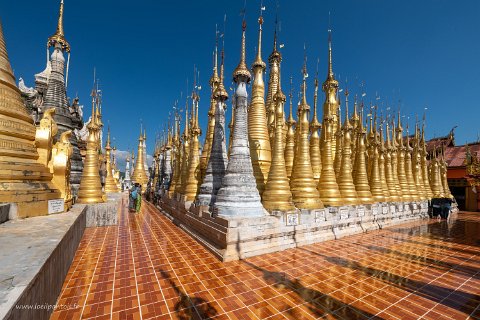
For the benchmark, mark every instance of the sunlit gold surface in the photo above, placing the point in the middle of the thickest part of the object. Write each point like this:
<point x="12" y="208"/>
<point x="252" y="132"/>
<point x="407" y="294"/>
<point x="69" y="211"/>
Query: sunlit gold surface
<point x="185" y="154"/>
<point x="389" y="173"/>
<point x="409" y="172"/>
<point x="110" y="185"/>
<point x="327" y="185"/>
<point x="374" y="178"/>
<point x="435" y="178"/>
<point x="59" y="36"/>
<point x="193" y="175"/>
<point x="274" y="61"/>
<point x="60" y="166"/>
<point x="417" y="167"/>
<point x="90" y="190"/>
<point x="177" y="162"/>
<point x="331" y="105"/>
<point x="382" y="152"/>
<point x="360" y="178"/>
<point x="302" y="184"/>
<point x="443" y="175"/>
<point x="258" y="137"/>
<point x="277" y="195"/>
<point x="290" y="140"/>
<point x="315" y="157"/>
<point x="24" y="180"/>
<point x="139" y="173"/>
<point x="337" y="162"/>
<point x="345" y="179"/>
<point x="402" y="178"/>
<point x="424" y="165"/>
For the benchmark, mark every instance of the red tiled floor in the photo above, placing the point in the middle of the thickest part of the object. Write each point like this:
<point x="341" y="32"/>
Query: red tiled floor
<point x="148" y="268"/>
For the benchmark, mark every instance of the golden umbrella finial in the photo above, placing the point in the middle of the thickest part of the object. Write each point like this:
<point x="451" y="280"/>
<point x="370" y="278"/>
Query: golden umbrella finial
<point x="59" y="36"/>
<point x="241" y="70"/>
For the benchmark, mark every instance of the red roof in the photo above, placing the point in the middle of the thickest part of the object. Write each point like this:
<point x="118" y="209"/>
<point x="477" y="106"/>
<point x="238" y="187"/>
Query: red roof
<point x="455" y="156"/>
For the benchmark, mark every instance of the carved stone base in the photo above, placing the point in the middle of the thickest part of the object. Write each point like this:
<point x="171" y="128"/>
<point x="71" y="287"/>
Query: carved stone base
<point x="238" y="237"/>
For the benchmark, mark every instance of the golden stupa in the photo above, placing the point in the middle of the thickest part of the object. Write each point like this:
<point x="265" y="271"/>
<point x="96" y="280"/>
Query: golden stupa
<point x="302" y="184"/>
<point x="360" y="178"/>
<point x="258" y="136"/>
<point x="389" y="171"/>
<point x="185" y="154"/>
<point x="277" y="194"/>
<point x="139" y="173"/>
<point x="273" y="61"/>
<point x="289" y="151"/>
<point x="110" y="184"/>
<point x="193" y="172"/>
<point x="90" y="190"/>
<point x="315" y="156"/>
<point x="401" y="172"/>
<point x="345" y="179"/>
<point x="176" y="158"/>
<point x="25" y="181"/>
<point x="327" y="185"/>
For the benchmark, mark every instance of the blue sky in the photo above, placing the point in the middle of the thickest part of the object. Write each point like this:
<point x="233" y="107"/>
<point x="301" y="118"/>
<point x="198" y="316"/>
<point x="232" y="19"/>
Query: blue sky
<point x="422" y="53"/>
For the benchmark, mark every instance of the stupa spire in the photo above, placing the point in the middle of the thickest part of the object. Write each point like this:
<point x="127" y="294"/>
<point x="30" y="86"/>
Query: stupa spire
<point x="345" y="179"/>
<point x="218" y="160"/>
<point x="273" y="61"/>
<point x="290" y="140"/>
<point x="110" y="185"/>
<point x="239" y="194"/>
<point x="315" y="156"/>
<point x="277" y="195"/>
<point x="59" y="35"/>
<point x="258" y="136"/>
<point x="302" y="183"/>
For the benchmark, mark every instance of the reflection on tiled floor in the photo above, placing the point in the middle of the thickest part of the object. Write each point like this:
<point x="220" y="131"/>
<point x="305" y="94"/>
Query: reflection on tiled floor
<point x="148" y="268"/>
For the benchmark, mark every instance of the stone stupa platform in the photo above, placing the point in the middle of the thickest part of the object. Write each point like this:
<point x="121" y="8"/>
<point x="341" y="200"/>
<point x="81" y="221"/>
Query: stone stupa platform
<point x="239" y="237"/>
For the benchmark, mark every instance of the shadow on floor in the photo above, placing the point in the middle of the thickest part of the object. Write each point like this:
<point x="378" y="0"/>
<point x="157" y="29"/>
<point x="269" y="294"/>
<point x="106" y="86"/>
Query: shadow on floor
<point x="318" y="303"/>
<point x="190" y="307"/>
<point x="460" y="301"/>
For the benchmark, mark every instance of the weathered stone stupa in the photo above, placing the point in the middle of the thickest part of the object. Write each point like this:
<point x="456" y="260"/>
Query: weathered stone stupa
<point x="238" y="195"/>
<point x="218" y="160"/>
<point x="56" y="97"/>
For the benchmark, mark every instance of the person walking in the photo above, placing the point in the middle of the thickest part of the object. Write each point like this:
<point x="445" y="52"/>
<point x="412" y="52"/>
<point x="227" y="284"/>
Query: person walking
<point x="138" y="201"/>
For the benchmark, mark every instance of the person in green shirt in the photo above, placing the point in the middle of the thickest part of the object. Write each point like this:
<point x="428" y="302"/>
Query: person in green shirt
<point x="138" y="201"/>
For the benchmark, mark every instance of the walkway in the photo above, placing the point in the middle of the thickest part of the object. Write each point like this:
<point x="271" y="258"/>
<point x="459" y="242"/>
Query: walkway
<point x="148" y="268"/>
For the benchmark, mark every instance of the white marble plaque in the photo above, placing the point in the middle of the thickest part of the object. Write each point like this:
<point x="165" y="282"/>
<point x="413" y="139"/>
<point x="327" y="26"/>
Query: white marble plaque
<point x="56" y="206"/>
<point x="343" y="214"/>
<point x="374" y="210"/>
<point x="361" y="212"/>
<point x="392" y="209"/>
<point x="414" y="206"/>
<point x="292" y="219"/>
<point x="384" y="210"/>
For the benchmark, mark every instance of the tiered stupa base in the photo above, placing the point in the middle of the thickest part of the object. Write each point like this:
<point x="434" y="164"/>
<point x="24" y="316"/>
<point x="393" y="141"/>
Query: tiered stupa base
<point x="234" y="237"/>
<point x="30" y="192"/>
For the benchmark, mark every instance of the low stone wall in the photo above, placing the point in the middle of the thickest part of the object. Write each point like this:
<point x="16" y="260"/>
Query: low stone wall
<point x="104" y="214"/>
<point x="35" y="256"/>
<point x="236" y="238"/>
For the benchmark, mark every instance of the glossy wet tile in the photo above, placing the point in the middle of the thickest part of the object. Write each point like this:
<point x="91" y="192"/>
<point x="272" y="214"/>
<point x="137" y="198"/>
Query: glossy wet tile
<point x="148" y="268"/>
